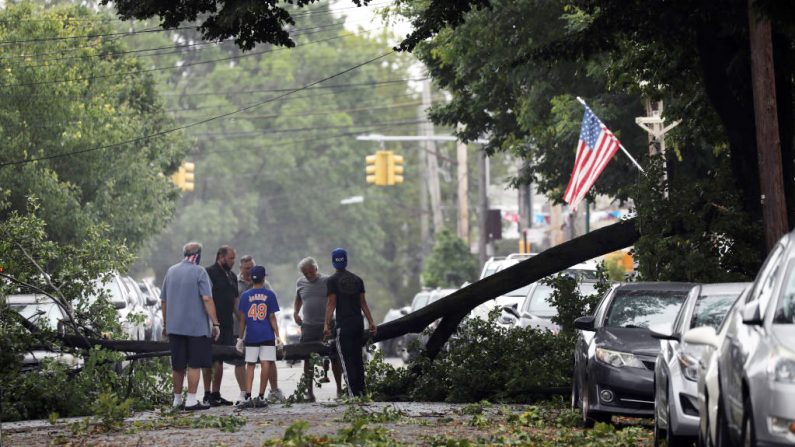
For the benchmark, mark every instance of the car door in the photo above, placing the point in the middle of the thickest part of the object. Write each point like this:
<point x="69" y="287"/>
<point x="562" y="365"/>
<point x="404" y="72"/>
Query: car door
<point x="742" y="338"/>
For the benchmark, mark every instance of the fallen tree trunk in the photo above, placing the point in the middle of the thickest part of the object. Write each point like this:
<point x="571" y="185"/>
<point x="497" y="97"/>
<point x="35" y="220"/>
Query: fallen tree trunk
<point x="296" y="351"/>
<point x="454" y="307"/>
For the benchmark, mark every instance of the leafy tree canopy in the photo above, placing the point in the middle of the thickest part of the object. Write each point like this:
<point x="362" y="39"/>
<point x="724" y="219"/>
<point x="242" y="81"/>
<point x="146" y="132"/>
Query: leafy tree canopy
<point x="450" y="263"/>
<point x="64" y="98"/>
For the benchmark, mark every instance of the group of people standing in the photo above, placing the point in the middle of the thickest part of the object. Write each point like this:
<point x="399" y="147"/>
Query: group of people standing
<point x="205" y="305"/>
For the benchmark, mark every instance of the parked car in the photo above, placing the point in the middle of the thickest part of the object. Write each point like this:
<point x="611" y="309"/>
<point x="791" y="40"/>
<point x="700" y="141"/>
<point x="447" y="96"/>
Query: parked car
<point x="585" y="271"/>
<point x="537" y="311"/>
<point x="42" y="311"/>
<point x="139" y="307"/>
<point x="393" y="346"/>
<point x="153" y="305"/>
<point x="708" y="388"/>
<point x="412" y="342"/>
<point x="676" y="408"/>
<point x="756" y="360"/>
<point x="120" y="297"/>
<point x="615" y="353"/>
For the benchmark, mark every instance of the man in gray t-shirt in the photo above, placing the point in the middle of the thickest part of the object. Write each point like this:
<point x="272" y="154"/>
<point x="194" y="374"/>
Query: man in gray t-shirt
<point x="188" y="313"/>
<point x="312" y="296"/>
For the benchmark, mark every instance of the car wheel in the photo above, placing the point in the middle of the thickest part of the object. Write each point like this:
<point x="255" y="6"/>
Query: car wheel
<point x="721" y="427"/>
<point x="749" y="433"/>
<point x="673" y="440"/>
<point x="575" y="395"/>
<point x="589" y="417"/>
<point x="659" y="433"/>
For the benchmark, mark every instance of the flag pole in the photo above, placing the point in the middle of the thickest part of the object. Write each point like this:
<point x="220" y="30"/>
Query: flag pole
<point x="631" y="158"/>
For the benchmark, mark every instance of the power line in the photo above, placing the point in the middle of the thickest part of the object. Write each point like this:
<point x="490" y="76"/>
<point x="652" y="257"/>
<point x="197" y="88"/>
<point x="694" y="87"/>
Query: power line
<point x="172" y="48"/>
<point x="93" y="36"/>
<point x="235" y="134"/>
<point x="207" y="120"/>
<point x="191" y="64"/>
<point x="278" y="90"/>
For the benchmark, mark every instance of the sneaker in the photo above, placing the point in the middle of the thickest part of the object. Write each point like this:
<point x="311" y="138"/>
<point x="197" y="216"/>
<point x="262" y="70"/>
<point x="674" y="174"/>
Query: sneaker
<point x="248" y="403"/>
<point x="218" y="401"/>
<point x="310" y="398"/>
<point x="324" y="379"/>
<point x="276" y="395"/>
<point x="198" y="406"/>
<point x="260" y="402"/>
<point x="206" y="399"/>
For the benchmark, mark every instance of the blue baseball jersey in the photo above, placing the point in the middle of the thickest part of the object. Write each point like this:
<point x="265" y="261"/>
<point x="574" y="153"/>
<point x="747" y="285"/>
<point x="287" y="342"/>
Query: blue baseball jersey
<point x="257" y="306"/>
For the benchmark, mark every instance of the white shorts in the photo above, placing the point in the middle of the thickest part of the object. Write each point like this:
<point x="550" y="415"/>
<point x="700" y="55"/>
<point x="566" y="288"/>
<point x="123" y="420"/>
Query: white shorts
<point x="256" y="354"/>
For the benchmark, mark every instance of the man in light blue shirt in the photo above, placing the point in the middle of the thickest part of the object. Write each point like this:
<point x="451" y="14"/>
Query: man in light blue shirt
<point x="190" y="321"/>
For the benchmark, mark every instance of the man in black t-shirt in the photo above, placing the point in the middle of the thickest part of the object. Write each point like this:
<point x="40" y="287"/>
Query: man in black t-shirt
<point x="346" y="295"/>
<point x="225" y="296"/>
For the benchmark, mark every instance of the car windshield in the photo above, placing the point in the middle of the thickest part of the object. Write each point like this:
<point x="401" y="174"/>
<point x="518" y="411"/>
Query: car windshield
<point x="47" y="314"/>
<point x="785" y="312"/>
<point x="520" y="291"/>
<point x="419" y="302"/>
<point x="116" y="294"/>
<point x="711" y="310"/>
<point x="581" y="274"/>
<point x="643" y="308"/>
<point x="539" y="304"/>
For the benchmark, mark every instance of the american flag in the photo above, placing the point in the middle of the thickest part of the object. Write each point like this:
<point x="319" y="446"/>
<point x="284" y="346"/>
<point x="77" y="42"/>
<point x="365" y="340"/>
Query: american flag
<point x="597" y="146"/>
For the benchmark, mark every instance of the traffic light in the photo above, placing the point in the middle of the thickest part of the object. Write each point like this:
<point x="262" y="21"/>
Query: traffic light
<point x="188" y="169"/>
<point x="184" y="176"/>
<point x="394" y="169"/>
<point x="376" y="168"/>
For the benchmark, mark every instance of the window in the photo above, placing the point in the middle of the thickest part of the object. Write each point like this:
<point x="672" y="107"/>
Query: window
<point x="766" y="279"/>
<point x="711" y="310"/>
<point x="643" y="308"/>
<point x="785" y="312"/>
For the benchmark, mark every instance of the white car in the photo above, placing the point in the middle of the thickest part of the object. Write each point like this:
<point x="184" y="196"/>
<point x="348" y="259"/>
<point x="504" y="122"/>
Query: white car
<point x="708" y="387"/>
<point x="120" y="297"/>
<point x="42" y="311"/>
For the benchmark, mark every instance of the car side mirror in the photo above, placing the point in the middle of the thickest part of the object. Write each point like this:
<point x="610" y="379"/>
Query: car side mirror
<point x="119" y="304"/>
<point x="511" y="310"/>
<point x="151" y="301"/>
<point x="585" y="323"/>
<point x="663" y="331"/>
<point x="704" y="335"/>
<point x="752" y="314"/>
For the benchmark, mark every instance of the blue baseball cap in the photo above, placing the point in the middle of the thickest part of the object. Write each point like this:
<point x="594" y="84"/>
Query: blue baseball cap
<point x="258" y="273"/>
<point x="339" y="258"/>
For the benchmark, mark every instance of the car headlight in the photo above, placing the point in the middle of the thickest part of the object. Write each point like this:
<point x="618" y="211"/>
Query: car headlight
<point x="781" y="366"/>
<point x="618" y="359"/>
<point x="689" y="365"/>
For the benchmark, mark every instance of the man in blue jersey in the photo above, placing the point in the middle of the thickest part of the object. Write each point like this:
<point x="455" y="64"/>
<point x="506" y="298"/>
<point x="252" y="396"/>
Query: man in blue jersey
<point x="258" y="307"/>
<point x="346" y="295"/>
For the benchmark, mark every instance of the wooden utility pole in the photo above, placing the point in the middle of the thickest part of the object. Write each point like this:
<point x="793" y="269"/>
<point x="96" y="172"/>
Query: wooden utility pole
<point x="483" y="207"/>
<point x="434" y="190"/>
<point x="768" y="143"/>
<point x="463" y="189"/>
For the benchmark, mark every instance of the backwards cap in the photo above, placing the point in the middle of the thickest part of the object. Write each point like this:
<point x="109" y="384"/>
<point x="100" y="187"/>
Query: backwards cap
<point x="257" y="273"/>
<point x="339" y="258"/>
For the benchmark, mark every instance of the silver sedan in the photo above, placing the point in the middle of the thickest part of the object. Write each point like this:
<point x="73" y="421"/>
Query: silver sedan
<point x="677" y="367"/>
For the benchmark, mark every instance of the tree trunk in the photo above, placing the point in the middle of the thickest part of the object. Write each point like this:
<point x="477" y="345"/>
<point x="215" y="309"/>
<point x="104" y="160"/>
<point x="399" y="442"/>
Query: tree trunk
<point x="768" y="143"/>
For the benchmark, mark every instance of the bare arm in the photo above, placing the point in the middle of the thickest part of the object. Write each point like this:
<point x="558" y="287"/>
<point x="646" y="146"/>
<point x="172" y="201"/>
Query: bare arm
<point x="163" y="308"/>
<point x="242" y="318"/>
<point x="330" y="306"/>
<point x="367" y="314"/>
<point x="209" y="306"/>
<point x="297" y="309"/>
<point x="275" y="326"/>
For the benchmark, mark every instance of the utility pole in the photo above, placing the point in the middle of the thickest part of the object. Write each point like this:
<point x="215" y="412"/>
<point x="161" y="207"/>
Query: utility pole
<point x="483" y="207"/>
<point x="433" y="167"/>
<point x="463" y="189"/>
<point x="654" y="125"/>
<point x="768" y="143"/>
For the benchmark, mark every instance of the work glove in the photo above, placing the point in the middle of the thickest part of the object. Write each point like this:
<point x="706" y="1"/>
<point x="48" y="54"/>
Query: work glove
<point x="240" y="346"/>
<point x="216" y="332"/>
